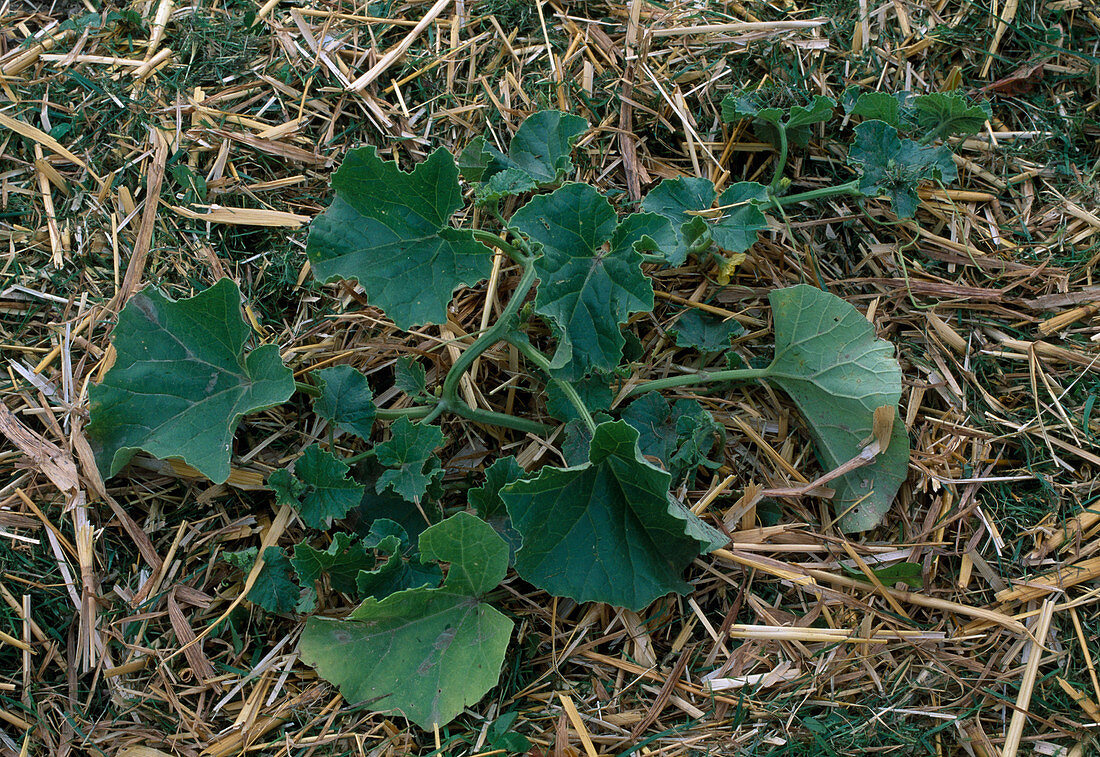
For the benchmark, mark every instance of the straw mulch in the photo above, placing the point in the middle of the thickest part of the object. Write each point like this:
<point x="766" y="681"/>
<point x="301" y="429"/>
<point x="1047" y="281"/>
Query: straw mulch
<point x="175" y="144"/>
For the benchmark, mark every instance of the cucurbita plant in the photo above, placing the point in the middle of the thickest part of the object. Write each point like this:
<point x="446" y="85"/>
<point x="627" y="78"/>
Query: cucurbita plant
<point x="425" y="641"/>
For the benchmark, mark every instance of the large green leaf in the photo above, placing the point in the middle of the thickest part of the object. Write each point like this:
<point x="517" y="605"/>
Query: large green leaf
<point x="319" y="489"/>
<point x="604" y="530"/>
<point x="892" y="166"/>
<point x="181" y="381"/>
<point x="427" y="653"/>
<point x="590" y="276"/>
<point x="390" y="231"/>
<point x="538" y="155"/>
<point x="345" y="400"/>
<point x="828" y="359"/>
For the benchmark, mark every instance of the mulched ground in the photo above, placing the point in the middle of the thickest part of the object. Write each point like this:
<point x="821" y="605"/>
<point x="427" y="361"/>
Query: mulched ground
<point x="177" y="144"/>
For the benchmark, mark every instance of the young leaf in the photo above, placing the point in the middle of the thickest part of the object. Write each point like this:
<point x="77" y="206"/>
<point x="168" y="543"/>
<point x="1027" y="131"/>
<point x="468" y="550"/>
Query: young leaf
<point x="319" y="489"/>
<point x="491" y="508"/>
<point x="381" y="503"/>
<point x="590" y="276"/>
<point x="892" y="166"/>
<point x="673" y="199"/>
<point x="943" y="114"/>
<point x="735" y="231"/>
<point x="538" y="155"/>
<point x="181" y="381"/>
<point x="408" y="456"/>
<point x="341" y="562"/>
<point x="410" y="377"/>
<point x="398" y="573"/>
<point x="602" y="531"/>
<point x="881" y="106"/>
<point x="680" y="436"/>
<point x="704" y="332"/>
<point x="828" y="359"/>
<point x="768" y="121"/>
<point x="346" y="400"/>
<point x="389" y="230"/>
<point x="427" y="653"/>
<point x="275" y="589"/>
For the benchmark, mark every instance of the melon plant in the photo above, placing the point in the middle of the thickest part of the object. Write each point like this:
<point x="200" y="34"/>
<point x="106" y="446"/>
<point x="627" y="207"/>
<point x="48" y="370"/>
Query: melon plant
<point x="425" y="639"/>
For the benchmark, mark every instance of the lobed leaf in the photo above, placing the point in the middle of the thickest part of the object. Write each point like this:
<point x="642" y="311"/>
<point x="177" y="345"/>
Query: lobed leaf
<point x="389" y="230"/>
<point x="590" y="276"/>
<point x="345" y="400"/>
<point x="702" y="331"/>
<point x="181" y="381"/>
<point x="426" y="652"/>
<point x="680" y="200"/>
<point x="408" y="456"/>
<point x="319" y="489"/>
<point x="275" y="589"/>
<point x="828" y="359"/>
<point x="604" y="530"/>
<point x="539" y="154"/>
<point x="892" y="166"/>
<point x="342" y="561"/>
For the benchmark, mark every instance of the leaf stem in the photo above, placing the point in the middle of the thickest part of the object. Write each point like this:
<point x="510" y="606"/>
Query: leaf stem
<point x="310" y="389"/>
<point x="531" y="353"/>
<point x="449" y="399"/>
<point x="847" y="188"/>
<point x="413" y="412"/>
<point x="703" y="377"/>
<point x="782" y="162"/>
<point x="494" y="240"/>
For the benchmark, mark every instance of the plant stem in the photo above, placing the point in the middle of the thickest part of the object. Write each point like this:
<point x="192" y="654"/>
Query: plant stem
<point x="566" y="388"/>
<point x="304" y="388"/>
<point x="511" y="250"/>
<point x="392" y="414"/>
<point x="449" y="399"/>
<point x="782" y="162"/>
<point x="847" y="188"/>
<point x="703" y="377"/>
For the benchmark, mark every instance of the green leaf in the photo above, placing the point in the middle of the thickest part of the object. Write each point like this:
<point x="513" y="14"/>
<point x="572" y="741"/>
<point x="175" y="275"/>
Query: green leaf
<point x="741" y="217"/>
<point x="828" y="359"/>
<point x="590" y="276"/>
<point x="490" y="507"/>
<point x="341" y="562"/>
<point x="943" y="114"/>
<point x="381" y="502"/>
<point x="319" y="489"/>
<point x="428" y="653"/>
<point x="408" y="454"/>
<point x="410" y="377"/>
<point x="674" y="199"/>
<point x="892" y="166"/>
<point x="538" y="155"/>
<point x="704" y="332"/>
<point x="909" y="573"/>
<point x="767" y="121"/>
<point x="399" y="572"/>
<point x="735" y="231"/>
<point x="275" y="589"/>
<point x="389" y="230"/>
<point x="680" y="436"/>
<point x="181" y="381"/>
<point x="602" y="531"/>
<point x="594" y="390"/>
<point x="880" y="106"/>
<point x="346" y="400"/>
